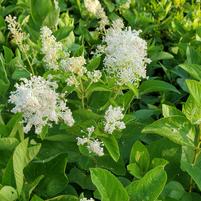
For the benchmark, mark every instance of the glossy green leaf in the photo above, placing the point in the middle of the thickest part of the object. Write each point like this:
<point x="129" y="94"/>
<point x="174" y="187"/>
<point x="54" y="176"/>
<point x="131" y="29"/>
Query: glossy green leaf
<point x="194" y="88"/>
<point x="193" y="69"/>
<point x="112" y="146"/>
<point x="192" y="110"/>
<point x="140" y="155"/>
<point x="169" y="111"/>
<point x="176" y="128"/>
<point x="150" y="86"/>
<point x="8" y="193"/>
<point x="64" y="198"/>
<point x="108" y="185"/>
<point x="149" y="187"/>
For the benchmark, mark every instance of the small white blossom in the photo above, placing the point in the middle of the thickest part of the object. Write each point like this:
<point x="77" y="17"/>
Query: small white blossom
<point x="72" y="81"/>
<point x="113" y="119"/>
<point x="50" y="48"/>
<point x="85" y="199"/>
<point x="75" y="65"/>
<point x="125" y="54"/>
<point x="94" y="7"/>
<point x="18" y="35"/>
<point x="90" y="130"/>
<point x="94" y="76"/>
<point x="39" y="103"/>
<point x="82" y="141"/>
<point x="93" y="145"/>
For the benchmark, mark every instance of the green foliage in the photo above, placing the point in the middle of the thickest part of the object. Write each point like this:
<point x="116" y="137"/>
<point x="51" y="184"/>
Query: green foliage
<point x="156" y="157"/>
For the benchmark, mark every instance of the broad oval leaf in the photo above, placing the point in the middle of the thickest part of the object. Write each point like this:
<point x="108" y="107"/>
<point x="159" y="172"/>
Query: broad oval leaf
<point x="176" y="128"/>
<point x="194" y="88"/>
<point x="192" y="110"/>
<point x="156" y="86"/>
<point x="8" y="193"/>
<point x="149" y="187"/>
<point x="193" y="69"/>
<point x="140" y="155"/>
<point x="108" y="185"/>
<point x="112" y="146"/>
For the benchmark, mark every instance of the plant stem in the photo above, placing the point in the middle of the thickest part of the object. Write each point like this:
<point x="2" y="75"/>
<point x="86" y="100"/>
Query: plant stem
<point x="27" y="58"/>
<point x="82" y="93"/>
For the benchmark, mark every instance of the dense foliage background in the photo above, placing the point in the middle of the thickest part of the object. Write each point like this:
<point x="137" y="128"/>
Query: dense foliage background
<point x="156" y="157"/>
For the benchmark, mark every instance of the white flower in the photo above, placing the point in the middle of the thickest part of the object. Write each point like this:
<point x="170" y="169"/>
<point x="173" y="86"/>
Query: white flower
<point x="94" y="76"/>
<point x="72" y="81"/>
<point x="82" y="141"/>
<point x="125" y="54"/>
<point x="39" y="103"/>
<point x="94" y="7"/>
<point x="75" y="65"/>
<point x="50" y="48"/>
<point x="93" y="145"/>
<point x="85" y="199"/>
<point x="113" y="119"/>
<point x="18" y="35"/>
<point x="90" y="130"/>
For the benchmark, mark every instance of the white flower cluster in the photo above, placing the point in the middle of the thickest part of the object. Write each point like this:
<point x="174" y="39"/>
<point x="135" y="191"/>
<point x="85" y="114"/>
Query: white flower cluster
<point x="18" y="35"/>
<point x="75" y="65"/>
<point x="113" y="119"/>
<point x="85" y="199"/>
<point x="125" y="54"/>
<point x="94" y="76"/>
<point x="93" y="145"/>
<point x="94" y="7"/>
<point x="50" y="48"/>
<point x="39" y="103"/>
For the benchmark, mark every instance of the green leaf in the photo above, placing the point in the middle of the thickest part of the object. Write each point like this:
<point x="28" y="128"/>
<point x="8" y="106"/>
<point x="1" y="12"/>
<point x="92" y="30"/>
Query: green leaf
<point x="134" y="169"/>
<point x="176" y="128"/>
<point x="44" y="12"/>
<point x="94" y="63"/>
<point x="64" y="198"/>
<point x="8" y="193"/>
<point x="193" y="69"/>
<point x="173" y="190"/>
<point x="112" y="146"/>
<point x="19" y="163"/>
<point x="8" y="54"/>
<point x="108" y="185"/>
<point x="194" y="170"/>
<point x="169" y="111"/>
<point x="21" y="158"/>
<point x="192" y="110"/>
<point x="149" y="187"/>
<point x="8" y="143"/>
<point x="161" y="56"/>
<point x="194" y="88"/>
<point x="55" y="179"/>
<point x="4" y="82"/>
<point x="20" y="73"/>
<point x="79" y="177"/>
<point x="140" y="155"/>
<point x="156" y="86"/>
<point x="193" y="56"/>
<point x="36" y="198"/>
